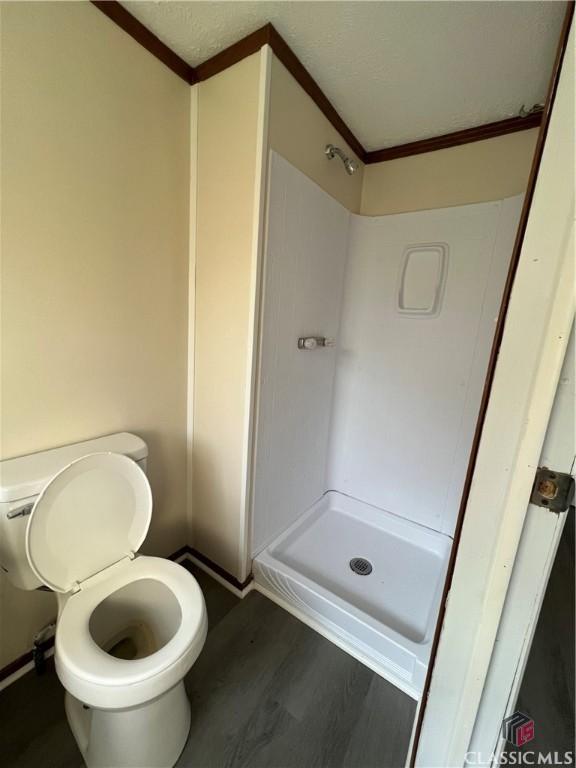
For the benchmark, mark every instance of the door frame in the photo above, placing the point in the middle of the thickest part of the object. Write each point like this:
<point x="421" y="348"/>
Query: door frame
<point x="541" y="536"/>
<point x="529" y="347"/>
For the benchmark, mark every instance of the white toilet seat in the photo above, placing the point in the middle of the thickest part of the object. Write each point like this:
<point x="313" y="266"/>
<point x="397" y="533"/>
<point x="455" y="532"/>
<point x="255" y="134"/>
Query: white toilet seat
<point x="100" y="680"/>
<point x="81" y="537"/>
<point x="91" y="514"/>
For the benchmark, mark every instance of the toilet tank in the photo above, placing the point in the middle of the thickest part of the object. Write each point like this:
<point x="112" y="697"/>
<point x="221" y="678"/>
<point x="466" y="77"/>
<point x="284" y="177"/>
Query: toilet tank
<point x="21" y="481"/>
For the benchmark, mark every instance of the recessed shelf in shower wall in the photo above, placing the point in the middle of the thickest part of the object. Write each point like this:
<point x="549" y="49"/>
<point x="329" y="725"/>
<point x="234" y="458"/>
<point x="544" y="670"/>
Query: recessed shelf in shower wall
<point x="422" y="279"/>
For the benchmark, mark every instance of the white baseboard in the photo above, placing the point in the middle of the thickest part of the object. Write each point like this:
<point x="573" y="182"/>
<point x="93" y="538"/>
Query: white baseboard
<point x="23" y="671"/>
<point x="206" y="568"/>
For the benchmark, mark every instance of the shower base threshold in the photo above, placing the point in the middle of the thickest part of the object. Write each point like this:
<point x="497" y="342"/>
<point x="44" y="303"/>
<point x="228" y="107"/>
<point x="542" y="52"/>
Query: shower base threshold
<point x="367" y="579"/>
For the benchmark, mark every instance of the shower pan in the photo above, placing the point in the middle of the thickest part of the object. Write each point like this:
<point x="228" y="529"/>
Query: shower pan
<point x="386" y="615"/>
<point x="361" y="444"/>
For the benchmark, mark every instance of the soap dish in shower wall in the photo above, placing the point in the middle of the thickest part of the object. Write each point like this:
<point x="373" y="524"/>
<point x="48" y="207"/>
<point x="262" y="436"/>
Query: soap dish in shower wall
<point x="422" y="279"/>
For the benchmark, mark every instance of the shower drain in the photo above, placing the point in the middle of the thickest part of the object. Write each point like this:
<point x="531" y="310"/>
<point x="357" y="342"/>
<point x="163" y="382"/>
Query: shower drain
<point x="361" y="566"/>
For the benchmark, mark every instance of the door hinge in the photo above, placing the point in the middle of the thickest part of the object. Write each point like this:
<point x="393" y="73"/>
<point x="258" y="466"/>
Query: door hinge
<point x="553" y="490"/>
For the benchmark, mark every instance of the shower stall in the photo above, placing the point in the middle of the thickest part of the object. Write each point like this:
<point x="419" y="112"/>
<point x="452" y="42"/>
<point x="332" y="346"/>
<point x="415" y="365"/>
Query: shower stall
<point x="375" y="335"/>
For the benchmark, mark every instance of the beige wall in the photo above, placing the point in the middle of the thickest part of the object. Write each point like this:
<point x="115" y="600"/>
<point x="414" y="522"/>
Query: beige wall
<point x="478" y="172"/>
<point x="471" y="173"/>
<point x="299" y="132"/>
<point x="95" y="186"/>
<point x="226" y="168"/>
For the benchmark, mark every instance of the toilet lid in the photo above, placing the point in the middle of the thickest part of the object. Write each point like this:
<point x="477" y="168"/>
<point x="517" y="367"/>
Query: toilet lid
<point x="91" y="514"/>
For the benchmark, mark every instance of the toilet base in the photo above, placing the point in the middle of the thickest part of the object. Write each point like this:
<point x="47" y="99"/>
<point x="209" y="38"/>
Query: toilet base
<point x="152" y="735"/>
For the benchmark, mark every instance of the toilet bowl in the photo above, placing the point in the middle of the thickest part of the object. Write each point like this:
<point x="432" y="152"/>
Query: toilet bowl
<point x="129" y="627"/>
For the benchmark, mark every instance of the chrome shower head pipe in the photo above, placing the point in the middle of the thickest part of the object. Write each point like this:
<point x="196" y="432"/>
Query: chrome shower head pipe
<point x="350" y="165"/>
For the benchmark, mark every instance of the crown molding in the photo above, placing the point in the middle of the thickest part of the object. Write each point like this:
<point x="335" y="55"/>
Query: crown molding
<point x="455" y="139"/>
<point x="239" y="50"/>
<point x="268" y="35"/>
<point x="299" y="72"/>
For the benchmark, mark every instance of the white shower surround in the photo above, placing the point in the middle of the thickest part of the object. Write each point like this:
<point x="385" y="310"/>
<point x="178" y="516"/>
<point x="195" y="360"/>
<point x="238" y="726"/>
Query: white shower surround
<point x="385" y="417"/>
<point x="408" y="387"/>
<point x="306" y="245"/>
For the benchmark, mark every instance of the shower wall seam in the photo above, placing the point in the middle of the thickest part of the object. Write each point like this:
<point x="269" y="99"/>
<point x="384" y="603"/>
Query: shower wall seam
<point x="256" y="301"/>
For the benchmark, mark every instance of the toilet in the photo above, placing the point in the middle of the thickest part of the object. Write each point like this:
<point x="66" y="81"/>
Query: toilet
<point x="129" y="626"/>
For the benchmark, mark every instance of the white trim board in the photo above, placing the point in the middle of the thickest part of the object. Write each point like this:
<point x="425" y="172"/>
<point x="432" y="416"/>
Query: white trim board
<point x="532" y="567"/>
<point x="241" y="593"/>
<point x="29" y="667"/>
<point x="191" y="306"/>
<point x="244" y="544"/>
<point x="530" y="358"/>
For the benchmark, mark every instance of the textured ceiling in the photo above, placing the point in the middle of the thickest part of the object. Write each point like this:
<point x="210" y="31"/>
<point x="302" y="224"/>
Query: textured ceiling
<point x="395" y="71"/>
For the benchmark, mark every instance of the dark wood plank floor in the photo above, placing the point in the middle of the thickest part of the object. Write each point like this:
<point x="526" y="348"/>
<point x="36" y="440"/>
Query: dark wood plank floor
<point x="266" y="692"/>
